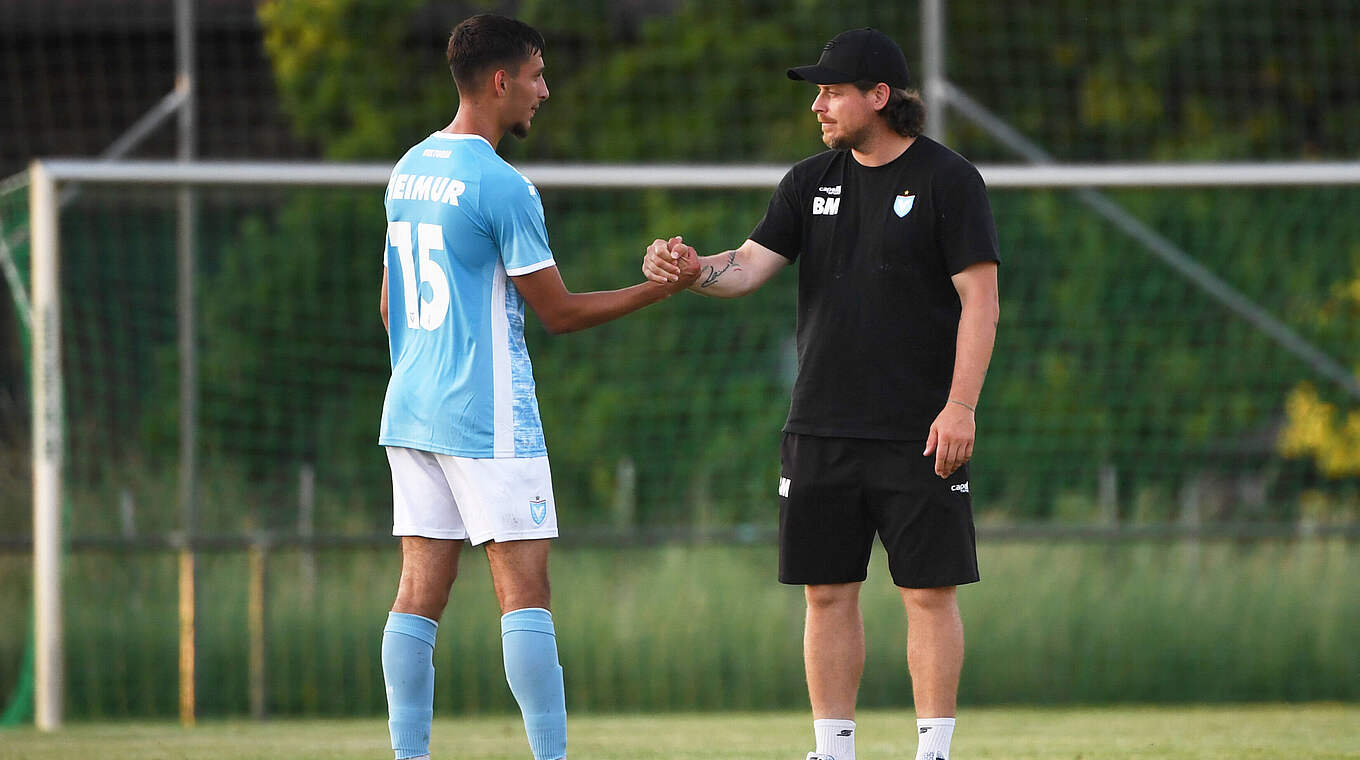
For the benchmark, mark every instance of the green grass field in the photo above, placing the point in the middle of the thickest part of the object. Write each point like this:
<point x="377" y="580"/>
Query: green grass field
<point x="1264" y="732"/>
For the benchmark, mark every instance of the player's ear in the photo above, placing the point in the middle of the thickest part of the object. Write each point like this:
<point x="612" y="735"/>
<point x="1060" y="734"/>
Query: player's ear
<point x="882" y="93"/>
<point x="500" y="81"/>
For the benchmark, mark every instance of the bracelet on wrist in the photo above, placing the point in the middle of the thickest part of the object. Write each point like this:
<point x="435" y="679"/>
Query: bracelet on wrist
<point x="969" y="407"/>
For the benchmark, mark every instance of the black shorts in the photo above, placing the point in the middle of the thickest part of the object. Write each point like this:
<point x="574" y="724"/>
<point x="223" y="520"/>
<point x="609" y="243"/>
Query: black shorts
<point x="836" y="493"/>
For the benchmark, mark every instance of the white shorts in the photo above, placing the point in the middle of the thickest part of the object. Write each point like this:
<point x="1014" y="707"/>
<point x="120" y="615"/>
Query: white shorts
<point x="441" y="496"/>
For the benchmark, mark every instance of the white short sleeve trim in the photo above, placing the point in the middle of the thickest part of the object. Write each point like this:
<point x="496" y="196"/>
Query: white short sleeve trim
<point x="530" y="269"/>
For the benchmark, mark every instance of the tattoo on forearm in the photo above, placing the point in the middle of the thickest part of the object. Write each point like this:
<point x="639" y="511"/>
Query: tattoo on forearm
<point x="711" y="272"/>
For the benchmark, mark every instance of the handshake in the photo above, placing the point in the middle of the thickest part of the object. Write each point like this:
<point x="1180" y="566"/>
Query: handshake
<point x="671" y="262"/>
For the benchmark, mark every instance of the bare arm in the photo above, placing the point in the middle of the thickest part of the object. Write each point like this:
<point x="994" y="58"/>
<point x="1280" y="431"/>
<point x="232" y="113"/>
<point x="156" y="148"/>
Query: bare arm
<point x="562" y="311"/>
<point x="953" y="432"/>
<point x="978" y="294"/>
<point x="723" y="275"/>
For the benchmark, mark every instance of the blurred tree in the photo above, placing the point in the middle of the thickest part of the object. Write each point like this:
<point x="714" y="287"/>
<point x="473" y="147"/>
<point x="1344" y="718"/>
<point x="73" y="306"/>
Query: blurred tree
<point x="362" y="78"/>
<point x="701" y="80"/>
<point x="1203" y="80"/>
<point x="1327" y="433"/>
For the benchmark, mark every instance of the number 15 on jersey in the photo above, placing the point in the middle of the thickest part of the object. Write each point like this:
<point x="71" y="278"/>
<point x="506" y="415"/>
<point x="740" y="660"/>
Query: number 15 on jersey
<point x="420" y="313"/>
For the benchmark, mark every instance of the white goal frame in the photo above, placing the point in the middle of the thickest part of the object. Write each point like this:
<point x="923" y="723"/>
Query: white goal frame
<point x="49" y="177"/>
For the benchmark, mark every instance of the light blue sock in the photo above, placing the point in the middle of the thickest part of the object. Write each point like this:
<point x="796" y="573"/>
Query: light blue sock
<point x="408" y="669"/>
<point x="535" y="677"/>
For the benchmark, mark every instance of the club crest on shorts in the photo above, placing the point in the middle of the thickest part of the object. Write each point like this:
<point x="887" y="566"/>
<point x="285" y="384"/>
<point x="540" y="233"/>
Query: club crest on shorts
<point x="538" y="510"/>
<point x="902" y="204"/>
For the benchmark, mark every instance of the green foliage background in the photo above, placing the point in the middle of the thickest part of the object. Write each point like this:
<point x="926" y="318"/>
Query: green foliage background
<point x="1117" y="389"/>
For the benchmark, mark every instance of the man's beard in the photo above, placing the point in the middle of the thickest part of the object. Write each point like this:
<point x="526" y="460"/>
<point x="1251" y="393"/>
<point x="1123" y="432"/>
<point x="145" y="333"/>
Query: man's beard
<point x="520" y="129"/>
<point x="848" y="141"/>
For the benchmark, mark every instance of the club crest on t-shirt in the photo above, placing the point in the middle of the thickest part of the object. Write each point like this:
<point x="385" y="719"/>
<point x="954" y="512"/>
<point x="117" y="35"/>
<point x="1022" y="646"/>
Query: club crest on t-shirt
<point x="903" y="203"/>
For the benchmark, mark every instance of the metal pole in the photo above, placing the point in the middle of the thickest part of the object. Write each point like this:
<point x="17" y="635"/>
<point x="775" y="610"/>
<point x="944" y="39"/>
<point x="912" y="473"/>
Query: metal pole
<point x="188" y="359"/>
<point x="258" y="560"/>
<point x="933" y="78"/>
<point x="306" y="528"/>
<point x="48" y="450"/>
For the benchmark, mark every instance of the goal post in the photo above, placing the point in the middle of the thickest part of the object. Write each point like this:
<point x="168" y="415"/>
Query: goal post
<point x="47" y="448"/>
<point x="50" y="177"/>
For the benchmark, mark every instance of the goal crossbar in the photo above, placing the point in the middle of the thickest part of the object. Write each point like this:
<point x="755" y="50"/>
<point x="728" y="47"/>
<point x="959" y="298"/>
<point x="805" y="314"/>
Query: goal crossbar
<point x="733" y="176"/>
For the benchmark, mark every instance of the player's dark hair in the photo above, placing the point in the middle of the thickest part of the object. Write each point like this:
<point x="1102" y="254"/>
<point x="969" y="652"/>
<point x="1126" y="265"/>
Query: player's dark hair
<point x="905" y="112"/>
<point x="489" y="41"/>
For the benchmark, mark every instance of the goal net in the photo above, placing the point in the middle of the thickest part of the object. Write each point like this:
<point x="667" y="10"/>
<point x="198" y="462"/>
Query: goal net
<point x="1188" y="357"/>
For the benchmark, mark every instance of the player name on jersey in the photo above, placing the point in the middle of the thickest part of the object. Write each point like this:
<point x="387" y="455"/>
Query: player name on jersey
<point x="424" y="187"/>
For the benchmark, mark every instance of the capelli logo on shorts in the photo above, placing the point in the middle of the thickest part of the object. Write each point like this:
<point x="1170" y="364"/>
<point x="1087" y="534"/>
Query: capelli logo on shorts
<point x="784" y="484"/>
<point x="538" y="510"/>
<point x="960" y="488"/>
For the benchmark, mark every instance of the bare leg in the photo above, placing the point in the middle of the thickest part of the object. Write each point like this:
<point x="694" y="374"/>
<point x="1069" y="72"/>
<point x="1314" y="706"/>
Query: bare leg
<point x="934" y="649"/>
<point x="519" y="571"/>
<point x="428" y="569"/>
<point x="833" y="649"/>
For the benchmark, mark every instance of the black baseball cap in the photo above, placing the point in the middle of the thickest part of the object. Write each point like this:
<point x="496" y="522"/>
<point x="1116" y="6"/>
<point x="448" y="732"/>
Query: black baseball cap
<point x="859" y="54"/>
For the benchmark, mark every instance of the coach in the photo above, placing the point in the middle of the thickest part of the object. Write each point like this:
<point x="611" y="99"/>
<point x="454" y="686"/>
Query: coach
<point x="897" y="311"/>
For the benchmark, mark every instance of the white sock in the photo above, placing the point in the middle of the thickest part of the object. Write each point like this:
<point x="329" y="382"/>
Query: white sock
<point x="835" y="738"/>
<point x="933" y="738"/>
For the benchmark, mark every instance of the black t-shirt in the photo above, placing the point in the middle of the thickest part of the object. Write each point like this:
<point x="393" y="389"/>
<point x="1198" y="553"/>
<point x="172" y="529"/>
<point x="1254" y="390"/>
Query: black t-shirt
<point x="877" y="312"/>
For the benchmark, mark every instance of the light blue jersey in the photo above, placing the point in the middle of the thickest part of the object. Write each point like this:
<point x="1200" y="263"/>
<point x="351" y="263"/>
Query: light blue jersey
<point x="460" y="222"/>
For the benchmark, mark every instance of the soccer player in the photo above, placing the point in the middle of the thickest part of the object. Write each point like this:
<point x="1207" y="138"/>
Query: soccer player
<point x="466" y="247"/>
<point x="897" y="312"/>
